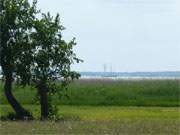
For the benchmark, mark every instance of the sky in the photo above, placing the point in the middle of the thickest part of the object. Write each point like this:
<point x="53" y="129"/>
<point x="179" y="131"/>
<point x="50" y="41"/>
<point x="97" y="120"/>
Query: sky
<point x="124" y="35"/>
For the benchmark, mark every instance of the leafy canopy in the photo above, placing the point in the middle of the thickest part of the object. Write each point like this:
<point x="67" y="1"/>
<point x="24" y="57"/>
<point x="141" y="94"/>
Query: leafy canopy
<point x="16" y="21"/>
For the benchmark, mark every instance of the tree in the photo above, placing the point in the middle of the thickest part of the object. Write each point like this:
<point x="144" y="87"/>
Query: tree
<point x="52" y="59"/>
<point x="16" y="21"/>
<point x="32" y="51"/>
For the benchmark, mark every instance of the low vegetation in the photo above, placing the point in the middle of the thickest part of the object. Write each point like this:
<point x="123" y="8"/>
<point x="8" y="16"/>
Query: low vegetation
<point x="98" y="120"/>
<point x="101" y="106"/>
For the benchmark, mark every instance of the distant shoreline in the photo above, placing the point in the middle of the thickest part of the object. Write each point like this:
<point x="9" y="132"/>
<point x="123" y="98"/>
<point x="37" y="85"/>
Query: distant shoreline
<point x="136" y="75"/>
<point x="129" y="78"/>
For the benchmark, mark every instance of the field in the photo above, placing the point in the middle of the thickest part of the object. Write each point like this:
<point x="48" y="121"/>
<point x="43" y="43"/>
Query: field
<point x="99" y="120"/>
<point x="109" y="92"/>
<point x="103" y="106"/>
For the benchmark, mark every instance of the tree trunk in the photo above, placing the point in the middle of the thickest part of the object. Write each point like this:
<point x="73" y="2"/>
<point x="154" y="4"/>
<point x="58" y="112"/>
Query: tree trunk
<point x="43" y="100"/>
<point x="20" y="111"/>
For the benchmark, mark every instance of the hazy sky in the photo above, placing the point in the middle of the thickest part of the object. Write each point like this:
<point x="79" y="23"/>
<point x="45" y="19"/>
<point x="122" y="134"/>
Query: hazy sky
<point x="130" y="35"/>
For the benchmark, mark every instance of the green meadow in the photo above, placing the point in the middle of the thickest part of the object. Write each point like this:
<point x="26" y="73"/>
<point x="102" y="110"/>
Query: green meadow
<point x="98" y="120"/>
<point x="102" y="106"/>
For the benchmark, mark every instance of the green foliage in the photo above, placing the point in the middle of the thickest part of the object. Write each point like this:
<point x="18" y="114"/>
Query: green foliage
<point x="16" y="20"/>
<point x="32" y="49"/>
<point x="52" y="56"/>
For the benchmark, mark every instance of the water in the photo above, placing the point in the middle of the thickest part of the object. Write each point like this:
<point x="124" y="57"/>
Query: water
<point x="135" y="75"/>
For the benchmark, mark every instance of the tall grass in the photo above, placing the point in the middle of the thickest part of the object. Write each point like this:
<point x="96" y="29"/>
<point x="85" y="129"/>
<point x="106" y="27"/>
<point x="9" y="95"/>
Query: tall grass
<point x="110" y="92"/>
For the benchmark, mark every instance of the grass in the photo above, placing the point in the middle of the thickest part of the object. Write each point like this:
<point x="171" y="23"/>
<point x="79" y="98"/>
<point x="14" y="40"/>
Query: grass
<point x="107" y="92"/>
<point x="104" y="112"/>
<point x="102" y="106"/>
<point x="99" y="120"/>
<point x="123" y="127"/>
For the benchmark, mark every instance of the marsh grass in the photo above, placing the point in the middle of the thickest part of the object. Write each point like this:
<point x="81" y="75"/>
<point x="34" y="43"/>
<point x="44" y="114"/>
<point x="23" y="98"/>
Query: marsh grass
<point x="108" y="92"/>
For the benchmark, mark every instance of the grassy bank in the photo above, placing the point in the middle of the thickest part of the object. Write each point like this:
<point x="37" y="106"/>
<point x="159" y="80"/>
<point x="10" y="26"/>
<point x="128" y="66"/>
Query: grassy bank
<point x="99" y="120"/>
<point x="110" y="92"/>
